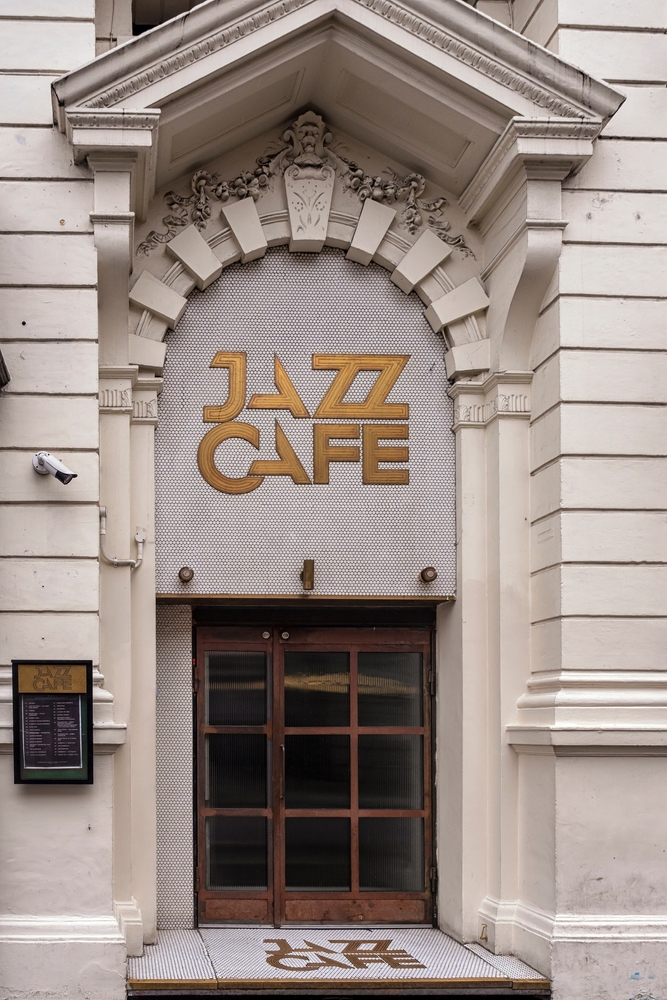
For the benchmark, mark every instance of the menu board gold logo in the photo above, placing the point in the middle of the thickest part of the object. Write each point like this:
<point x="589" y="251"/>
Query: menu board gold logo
<point x="333" y="406"/>
<point x="54" y="678"/>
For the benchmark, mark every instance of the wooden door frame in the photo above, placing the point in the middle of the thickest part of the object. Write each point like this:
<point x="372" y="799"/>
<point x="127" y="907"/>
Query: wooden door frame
<point x="353" y="640"/>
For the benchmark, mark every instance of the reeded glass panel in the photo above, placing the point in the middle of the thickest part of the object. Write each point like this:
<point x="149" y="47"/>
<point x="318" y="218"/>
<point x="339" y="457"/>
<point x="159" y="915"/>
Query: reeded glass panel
<point x="317" y="853"/>
<point x="317" y="689"/>
<point x="390" y="689"/>
<point x="391" y="853"/>
<point x="235" y="689"/>
<point x="236" y="852"/>
<point x="391" y="772"/>
<point x="236" y="771"/>
<point x="317" y="772"/>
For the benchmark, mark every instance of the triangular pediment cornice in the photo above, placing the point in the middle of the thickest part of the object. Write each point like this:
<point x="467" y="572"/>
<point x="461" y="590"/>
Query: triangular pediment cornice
<point x="445" y="26"/>
<point x="429" y="84"/>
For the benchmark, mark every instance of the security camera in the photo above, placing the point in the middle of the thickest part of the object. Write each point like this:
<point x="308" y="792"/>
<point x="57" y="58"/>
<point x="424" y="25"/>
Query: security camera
<point x="48" y="465"/>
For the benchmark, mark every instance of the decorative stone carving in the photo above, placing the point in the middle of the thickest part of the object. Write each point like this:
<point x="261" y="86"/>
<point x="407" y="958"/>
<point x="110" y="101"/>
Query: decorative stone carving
<point x="445" y="36"/>
<point x="515" y="404"/>
<point x="115" y="399"/>
<point x="305" y="157"/>
<point x="309" y="182"/>
<point x="144" y="409"/>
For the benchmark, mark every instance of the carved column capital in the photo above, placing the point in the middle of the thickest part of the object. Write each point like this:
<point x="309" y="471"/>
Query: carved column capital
<point x="500" y="396"/>
<point x="144" y="403"/>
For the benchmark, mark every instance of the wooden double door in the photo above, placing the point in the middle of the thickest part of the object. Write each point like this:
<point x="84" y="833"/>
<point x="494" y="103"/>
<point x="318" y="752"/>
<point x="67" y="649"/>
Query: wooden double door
<point x="313" y="775"/>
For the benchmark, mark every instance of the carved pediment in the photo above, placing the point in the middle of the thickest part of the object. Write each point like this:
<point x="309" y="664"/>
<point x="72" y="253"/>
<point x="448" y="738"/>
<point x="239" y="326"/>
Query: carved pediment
<point x="309" y="161"/>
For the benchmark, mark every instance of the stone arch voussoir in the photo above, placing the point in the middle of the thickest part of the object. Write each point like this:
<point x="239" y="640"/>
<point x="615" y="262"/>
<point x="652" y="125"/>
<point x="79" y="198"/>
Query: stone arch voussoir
<point x="452" y="311"/>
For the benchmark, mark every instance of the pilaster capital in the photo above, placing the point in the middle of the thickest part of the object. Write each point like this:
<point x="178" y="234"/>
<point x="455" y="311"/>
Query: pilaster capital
<point x="117" y="141"/>
<point x="115" y="390"/>
<point x="144" y="400"/>
<point x="502" y="395"/>
<point x="543" y="149"/>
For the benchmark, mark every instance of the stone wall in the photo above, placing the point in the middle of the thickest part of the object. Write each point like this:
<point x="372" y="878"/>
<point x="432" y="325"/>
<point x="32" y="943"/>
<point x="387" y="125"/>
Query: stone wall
<point x="56" y="841"/>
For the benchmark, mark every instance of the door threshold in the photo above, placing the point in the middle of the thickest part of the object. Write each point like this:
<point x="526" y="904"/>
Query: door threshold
<point x="315" y="961"/>
<point x="320" y="925"/>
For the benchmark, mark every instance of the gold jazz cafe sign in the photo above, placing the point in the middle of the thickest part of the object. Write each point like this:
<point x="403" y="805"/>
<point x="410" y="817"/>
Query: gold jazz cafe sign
<point x="332" y="407"/>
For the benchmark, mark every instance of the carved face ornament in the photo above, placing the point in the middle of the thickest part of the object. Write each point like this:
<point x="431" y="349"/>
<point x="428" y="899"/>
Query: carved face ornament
<point x="308" y="137"/>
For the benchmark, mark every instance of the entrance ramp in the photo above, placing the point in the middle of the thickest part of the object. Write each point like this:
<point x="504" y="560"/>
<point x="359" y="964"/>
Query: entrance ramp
<point x="331" y="961"/>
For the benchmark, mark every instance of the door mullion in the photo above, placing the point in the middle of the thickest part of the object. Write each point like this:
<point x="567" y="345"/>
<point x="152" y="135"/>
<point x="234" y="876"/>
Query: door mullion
<point x="354" y="770"/>
<point x="278" y="783"/>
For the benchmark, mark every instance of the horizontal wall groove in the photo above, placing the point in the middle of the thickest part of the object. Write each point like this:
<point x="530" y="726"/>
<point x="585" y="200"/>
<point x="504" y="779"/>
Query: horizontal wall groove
<point x="598" y="510"/>
<point x="608" y="617"/>
<point x="42" y="558"/>
<point x="45" y="232"/>
<point x="31" y="72"/>
<point x="637" y="83"/>
<point x="630" y="138"/>
<point x="584" y="562"/>
<point x="48" y="340"/>
<point x="38" y="502"/>
<point x="618" y="28"/>
<point x="598" y="402"/>
<point x="601" y="295"/>
<point x="32" y="287"/>
<point x="572" y="349"/>
<point x="70" y="451"/>
<point x="48" y="20"/>
<point x="53" y="611"/>
<point x="15" y="179"/>
<point x="50" y="395"/>
<point x="611" y="190"/>
<point x="608" y="243"/>
<point x="588" y="456"/>
<point x="65" y="502"/>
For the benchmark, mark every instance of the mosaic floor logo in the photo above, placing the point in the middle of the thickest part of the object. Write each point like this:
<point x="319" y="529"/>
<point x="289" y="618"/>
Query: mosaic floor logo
<point x="354" y="955"/>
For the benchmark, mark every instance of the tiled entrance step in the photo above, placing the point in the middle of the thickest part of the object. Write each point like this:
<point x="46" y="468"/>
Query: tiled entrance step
<point x="331" y="961"/>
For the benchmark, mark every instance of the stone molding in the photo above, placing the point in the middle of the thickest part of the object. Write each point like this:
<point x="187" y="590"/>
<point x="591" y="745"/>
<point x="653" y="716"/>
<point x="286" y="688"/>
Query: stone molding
<point x="456" y="29"/>
<point x="502" y="395"/>
<point x="560" y="144"/>
<point x="596" y="689"/>
<point x="130" y="390"/>
<point x="580" y="928"/>
<point x="115" y="400"/>
<point x="53" y="930"/>
<point x="588" y="741"/>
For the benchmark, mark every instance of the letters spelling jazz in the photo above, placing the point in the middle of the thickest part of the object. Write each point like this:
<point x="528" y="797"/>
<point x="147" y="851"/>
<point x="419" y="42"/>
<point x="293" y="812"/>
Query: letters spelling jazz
<point x="332" y="407"/>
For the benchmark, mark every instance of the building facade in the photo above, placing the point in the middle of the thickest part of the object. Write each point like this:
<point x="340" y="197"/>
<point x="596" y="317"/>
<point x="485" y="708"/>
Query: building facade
<point x="350" y="317"/>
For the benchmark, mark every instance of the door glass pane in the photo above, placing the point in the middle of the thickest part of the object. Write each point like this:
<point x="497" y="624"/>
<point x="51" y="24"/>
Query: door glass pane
<point x="391" y="772"/>
<point x="236" y="771"/>
<point x="235" y="689"/>
<point x="390" y="689"/>
<point x="317" y="853"/>
<point x="236" y="852"/>
<point x="317" y="689"/>
<point x="391" y="853"/>
<point x="317" y="772"/>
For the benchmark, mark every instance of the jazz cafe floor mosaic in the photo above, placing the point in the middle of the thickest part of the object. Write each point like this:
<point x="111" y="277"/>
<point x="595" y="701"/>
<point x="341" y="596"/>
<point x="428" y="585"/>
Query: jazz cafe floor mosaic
<point x="313" y="959"/>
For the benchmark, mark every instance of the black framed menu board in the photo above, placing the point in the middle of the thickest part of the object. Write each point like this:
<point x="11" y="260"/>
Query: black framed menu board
<point x="53" y="721"/>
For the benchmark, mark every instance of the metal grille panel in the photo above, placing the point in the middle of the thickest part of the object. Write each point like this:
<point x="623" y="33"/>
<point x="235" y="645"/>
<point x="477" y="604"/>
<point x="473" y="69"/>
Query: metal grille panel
<point x="365" y="539"/>
<point x="174" y="768"/>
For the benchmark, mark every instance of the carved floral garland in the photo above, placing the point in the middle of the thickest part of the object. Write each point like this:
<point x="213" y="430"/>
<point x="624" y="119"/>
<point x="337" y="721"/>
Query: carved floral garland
<point x="306" y="143"/>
